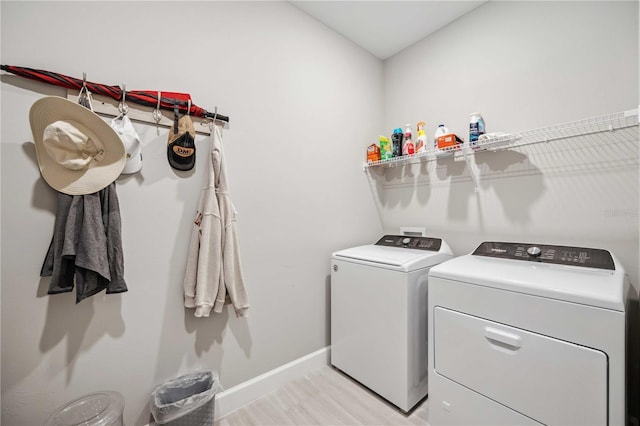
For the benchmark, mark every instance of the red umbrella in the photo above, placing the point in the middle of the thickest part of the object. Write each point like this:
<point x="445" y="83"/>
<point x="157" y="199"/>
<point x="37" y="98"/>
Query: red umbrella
<point x="168" y="100"/>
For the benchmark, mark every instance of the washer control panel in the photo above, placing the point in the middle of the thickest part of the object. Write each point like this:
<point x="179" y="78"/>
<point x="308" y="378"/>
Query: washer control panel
<point x="404" y="241"/>
<point x="563" y="255"/>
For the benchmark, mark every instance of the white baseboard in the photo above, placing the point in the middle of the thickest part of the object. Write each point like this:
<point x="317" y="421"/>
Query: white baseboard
<point x="240" y="395"/>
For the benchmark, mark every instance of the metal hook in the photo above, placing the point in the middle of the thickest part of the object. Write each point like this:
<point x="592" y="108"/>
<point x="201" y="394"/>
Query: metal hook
<point x="123" y="107"/>
<point x="213" y="122"/>
<point x="84" y="97"/>
<point x="156" y="114"/>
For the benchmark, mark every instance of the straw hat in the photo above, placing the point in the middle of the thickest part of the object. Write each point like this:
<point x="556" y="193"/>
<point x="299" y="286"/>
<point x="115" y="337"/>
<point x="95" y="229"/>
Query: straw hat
<point x="78" y="153"/>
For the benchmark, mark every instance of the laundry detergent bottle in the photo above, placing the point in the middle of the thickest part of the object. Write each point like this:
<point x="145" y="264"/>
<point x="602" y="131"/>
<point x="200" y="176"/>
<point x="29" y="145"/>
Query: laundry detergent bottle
<point x="408" y="147"/>
<point x="476" y="128"/>
<point x="396" y="142"/>
<point x="386" y="152"/>
<point x="440" y="131"/>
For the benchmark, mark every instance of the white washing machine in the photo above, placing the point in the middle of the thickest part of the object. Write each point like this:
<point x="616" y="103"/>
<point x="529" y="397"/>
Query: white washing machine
<point x="526" y="334"/>
<point x="379" y="314"/>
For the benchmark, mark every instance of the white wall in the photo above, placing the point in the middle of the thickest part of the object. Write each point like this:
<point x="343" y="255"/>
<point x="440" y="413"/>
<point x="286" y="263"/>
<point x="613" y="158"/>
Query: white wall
<point x="301" y="100"/>
<point x="523" y="65"/>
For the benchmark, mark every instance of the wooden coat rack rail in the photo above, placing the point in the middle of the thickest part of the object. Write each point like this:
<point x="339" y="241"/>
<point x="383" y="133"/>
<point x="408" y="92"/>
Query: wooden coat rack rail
<point x="105" y="105"/>
<point x="153" y="107"/>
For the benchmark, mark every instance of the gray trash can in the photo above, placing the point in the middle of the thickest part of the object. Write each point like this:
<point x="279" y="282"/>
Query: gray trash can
<point x="96" y="409"/>
<point x="186" y="401"/>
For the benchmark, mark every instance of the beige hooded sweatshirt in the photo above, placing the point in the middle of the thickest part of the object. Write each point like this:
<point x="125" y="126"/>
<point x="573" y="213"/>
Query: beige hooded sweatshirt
<point x="214" y="276"/>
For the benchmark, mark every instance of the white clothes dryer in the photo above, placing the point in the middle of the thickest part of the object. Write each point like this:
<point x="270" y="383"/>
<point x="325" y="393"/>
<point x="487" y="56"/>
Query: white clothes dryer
<point x="379" y="314"/>
<point x="528" y="334"/>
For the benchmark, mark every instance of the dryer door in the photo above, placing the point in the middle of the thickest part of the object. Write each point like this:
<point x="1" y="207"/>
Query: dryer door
<point x="549" y="380"/>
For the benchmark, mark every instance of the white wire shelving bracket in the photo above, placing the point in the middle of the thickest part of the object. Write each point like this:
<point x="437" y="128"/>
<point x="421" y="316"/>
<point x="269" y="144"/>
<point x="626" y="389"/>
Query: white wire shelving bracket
<point x="588" y="126"/>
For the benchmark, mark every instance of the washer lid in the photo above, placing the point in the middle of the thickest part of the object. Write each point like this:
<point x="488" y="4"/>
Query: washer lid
<point x="603" y="288"/>
<point x="404" y="259"/>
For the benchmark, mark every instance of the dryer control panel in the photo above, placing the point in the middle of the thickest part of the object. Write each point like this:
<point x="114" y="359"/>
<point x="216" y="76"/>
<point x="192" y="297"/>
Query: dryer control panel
<point x="563" y="255"/>
<point x="404" y="241"/>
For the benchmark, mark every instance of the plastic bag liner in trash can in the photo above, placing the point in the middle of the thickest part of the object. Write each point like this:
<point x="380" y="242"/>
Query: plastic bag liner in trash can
<point x="186" y="400"/>
<point x="96" y="409"/>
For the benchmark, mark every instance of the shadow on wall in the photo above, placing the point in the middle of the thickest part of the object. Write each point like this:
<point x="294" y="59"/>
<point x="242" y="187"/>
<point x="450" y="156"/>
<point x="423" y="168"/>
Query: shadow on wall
<point x="102" y="312"/>
<point x="402" y="175"/>
<point x="398" y="186"/>
<point x="454" y="170"/>
<point x="105" y="320"/>
<point x="43" y="197"/>
<point x="516" y="201"/>
<point x="375" y="176"/>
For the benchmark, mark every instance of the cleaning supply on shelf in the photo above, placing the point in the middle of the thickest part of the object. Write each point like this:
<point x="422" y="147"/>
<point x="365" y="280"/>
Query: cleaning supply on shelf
<point x="421" y="141"/>
<point x="476" y="128"/>
<point x="396" y="139"/>
<point x="408" y="147"/>
<point x="440" y="131"/>
<point x="373" y="153"/>
<point x="448" y="141"/>
<point x="386" y="152"/>
<point x="444" y="141"/>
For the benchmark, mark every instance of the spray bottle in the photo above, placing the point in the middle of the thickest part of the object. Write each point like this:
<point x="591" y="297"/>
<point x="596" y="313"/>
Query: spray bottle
<point x="421" y="142"/>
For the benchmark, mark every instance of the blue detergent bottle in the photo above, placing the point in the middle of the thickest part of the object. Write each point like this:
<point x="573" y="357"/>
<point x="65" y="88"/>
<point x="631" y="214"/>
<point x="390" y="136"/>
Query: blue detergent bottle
<point x="396" y="141"/>
<point x="476" y="128"/>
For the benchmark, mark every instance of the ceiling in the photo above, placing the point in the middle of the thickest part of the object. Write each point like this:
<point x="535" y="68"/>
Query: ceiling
<point x="384" y="28"/>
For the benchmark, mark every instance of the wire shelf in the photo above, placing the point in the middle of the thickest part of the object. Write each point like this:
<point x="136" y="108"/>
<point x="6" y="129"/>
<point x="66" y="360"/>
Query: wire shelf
<point x="588" y="126"/>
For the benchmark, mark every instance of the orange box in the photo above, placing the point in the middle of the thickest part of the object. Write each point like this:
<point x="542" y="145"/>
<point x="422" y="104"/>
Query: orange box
<point x="449" y="140"/>
<point x="373" y="153"/>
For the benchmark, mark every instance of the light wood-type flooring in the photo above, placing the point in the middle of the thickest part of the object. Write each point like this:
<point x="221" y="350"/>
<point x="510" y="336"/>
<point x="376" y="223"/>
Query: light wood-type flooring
<point x="325" y="397"/>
